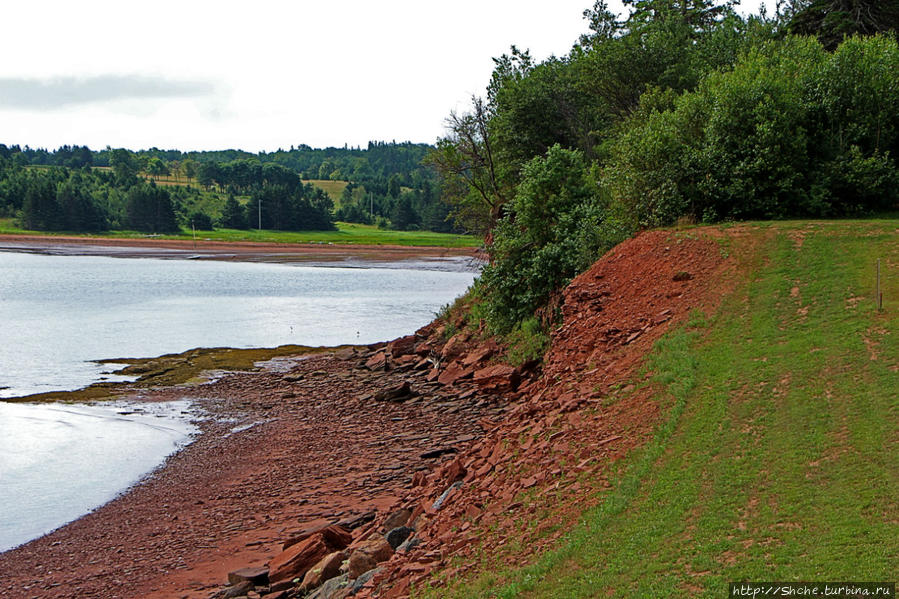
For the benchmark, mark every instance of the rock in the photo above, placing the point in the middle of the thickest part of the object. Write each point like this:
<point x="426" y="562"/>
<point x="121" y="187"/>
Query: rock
<point x="454" y="372"/>
<point x="453" y="470"/>
<point x="299" y="558"/>
<point x="439" y="451"/>
<point x="327" y="568"/>
<point x="454" y="347"/>
<point x="364" y="578"/>
<point x="336" y="588"/>
<point x="346" y="353"/>
<point x="377" y="362"/>
<point x="238" y="590"/>
<point x="354" y="522"/>
<point x="478" y="356"/>
<point x="497" y="378"/>
<point x="257" y="576"/>
<point x="398" y="535"/>
<point x="368" y="555"/>
<point x="402" y="346"/>
<point x="400" y="392"/>
<point x="408" y="545"/>
<point x="423" y="349"/>
<point x="336" y="534"/>
<point x="397" y="518"/>
<point x="443" y="497"/>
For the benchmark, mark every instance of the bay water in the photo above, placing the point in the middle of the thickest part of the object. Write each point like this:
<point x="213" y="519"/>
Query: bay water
<point x="59" y="314"/>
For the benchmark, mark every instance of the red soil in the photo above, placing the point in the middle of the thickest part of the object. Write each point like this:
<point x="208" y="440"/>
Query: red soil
<point x="223" y="250"/>
<point x="328" y="450"/>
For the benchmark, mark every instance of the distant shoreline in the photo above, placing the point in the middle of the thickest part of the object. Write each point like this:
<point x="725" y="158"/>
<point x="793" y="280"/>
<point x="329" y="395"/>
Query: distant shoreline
<point x="238" y="251"/>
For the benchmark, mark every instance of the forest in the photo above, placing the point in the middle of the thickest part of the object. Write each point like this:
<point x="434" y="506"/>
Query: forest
<point x="74" y="188"/>
<point x="679" y="112"/>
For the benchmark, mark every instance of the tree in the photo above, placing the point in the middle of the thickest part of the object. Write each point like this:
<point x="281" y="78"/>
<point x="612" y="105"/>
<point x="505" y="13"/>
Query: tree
<point x="124" y="164"/>
<point x="403" y="216"/>
<point x="149" y="209"/>
<point x="467" y="165"/>
<point x="833" y="20"/>
<point x="189" y="168"/>
<point x="157" y="168"/>
<point x="233" y="214"/>
<point x="554" y="228"/>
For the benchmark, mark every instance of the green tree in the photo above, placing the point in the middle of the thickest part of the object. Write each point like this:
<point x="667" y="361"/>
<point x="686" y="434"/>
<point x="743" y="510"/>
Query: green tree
<point x="125" y="165"/>
<point x="833" y="20"/>
<point x="233" y="214"/>
<point x="149" y="209"/>
<point x="554" y="228"/>
<point x="157" y="168"/>
<point x="189" y="168"/>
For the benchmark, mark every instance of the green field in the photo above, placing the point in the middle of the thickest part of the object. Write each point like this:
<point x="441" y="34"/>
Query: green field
<point x="346" y="233"/>
<point x="779" y="458"/>
<point x="334" y="189"/>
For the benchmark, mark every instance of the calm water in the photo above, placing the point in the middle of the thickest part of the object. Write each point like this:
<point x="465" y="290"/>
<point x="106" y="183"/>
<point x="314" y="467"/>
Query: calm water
<point x="59" y="313"/>
<point x="58" y="462"/>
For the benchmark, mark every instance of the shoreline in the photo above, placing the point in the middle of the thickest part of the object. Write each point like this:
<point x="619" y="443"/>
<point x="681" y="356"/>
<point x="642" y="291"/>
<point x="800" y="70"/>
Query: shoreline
<point x="236" y="251"/>
<point x="263" y="468"/>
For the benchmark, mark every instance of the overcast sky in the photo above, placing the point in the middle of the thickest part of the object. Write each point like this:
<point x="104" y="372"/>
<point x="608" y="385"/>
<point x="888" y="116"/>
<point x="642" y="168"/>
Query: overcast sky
<point x="259" y="75"/>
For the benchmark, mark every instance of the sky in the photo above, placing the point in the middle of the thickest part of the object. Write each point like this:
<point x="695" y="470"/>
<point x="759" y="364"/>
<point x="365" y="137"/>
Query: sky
<point x="262" y="75"/>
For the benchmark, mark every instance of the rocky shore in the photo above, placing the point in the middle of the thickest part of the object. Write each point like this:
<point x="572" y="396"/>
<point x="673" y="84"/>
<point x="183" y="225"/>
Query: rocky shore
<point x="364" y="471"/>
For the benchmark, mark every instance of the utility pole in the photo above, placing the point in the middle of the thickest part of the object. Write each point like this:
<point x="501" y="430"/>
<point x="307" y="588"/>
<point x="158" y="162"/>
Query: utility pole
<point x="260" y="213"/>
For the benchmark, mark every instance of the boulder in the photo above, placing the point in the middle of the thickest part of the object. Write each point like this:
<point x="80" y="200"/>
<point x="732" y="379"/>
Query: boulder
<point x="256" y="576"/>
<point x="397" y="518"/>
<point x="454" y="372"/>
<point x="402" y="346"/>
<point x="368" y="555"/>
<point x="479" y="355"/>
<point x="454" y="347"/>
<point x="326" y="569"/>
<point x="400" y="392"/>
<point x="362" y="579"/>
<point x="336" y="588"/>
<point x="398" y="535"/>
<point x="238" y="590"/>
<point x="336" y="535"/>
<point x="300" y="557"/>
<point x="497" y="378"/>
<point x="377" y="362"/>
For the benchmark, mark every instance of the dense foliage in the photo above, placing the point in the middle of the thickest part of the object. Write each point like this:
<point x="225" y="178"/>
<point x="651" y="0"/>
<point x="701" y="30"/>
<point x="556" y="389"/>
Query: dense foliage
<point x="681" y="110"/>
<point x="388" y="186"/>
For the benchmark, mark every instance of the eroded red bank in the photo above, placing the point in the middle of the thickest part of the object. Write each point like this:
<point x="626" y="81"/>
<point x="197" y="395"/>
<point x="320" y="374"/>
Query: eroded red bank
<point x="426" y="440"/>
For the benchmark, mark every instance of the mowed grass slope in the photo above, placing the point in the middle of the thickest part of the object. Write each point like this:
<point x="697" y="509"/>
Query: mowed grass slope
<point x="779" y="460"/>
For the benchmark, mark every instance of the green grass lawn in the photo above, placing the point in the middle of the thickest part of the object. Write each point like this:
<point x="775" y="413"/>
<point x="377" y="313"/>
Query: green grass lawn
<point x="346" y="233"/>
<point x="779" y="460"/>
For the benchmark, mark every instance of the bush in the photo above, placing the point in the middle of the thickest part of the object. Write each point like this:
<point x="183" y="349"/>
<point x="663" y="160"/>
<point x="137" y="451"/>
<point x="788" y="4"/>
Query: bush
<point x="791" y="131"/>
<point x="553" y="229"/>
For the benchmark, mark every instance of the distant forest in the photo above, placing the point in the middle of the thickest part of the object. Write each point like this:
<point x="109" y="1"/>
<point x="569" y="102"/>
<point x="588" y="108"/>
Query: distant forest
<point x="74" y="188"/>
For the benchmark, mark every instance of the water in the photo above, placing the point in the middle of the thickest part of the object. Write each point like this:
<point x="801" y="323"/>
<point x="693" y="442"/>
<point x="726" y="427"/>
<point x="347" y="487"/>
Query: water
<point x="59" y="313"/>
<point x="58" y="461"/>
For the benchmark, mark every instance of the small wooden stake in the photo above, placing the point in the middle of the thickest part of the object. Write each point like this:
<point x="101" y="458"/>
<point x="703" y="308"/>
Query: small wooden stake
<point x="879" y="297"/>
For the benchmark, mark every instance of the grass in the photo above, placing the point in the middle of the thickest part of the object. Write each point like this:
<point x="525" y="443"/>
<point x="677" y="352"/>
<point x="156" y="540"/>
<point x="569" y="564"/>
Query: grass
<point x="778" y="457"/>
<point x="334" y="189"/>
<point x="346" y="233"/>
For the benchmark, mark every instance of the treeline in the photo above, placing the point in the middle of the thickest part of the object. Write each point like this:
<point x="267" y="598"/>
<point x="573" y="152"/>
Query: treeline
<point x="389" y="185"/>
<point x="680" y="110"/>
<point x="84" y="199"/>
